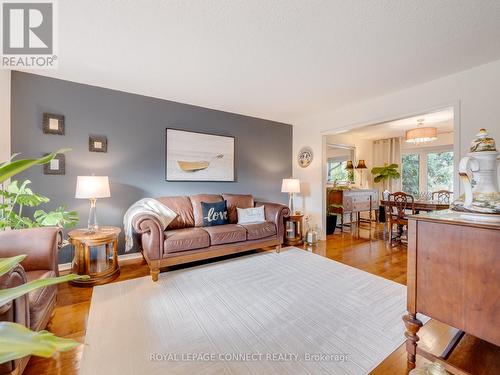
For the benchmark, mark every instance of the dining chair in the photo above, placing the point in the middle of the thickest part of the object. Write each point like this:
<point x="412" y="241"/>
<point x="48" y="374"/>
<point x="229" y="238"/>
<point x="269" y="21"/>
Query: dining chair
<point x="442" y="196"/>
<point x="423" y="196"/>
<point x="396" y="212"/>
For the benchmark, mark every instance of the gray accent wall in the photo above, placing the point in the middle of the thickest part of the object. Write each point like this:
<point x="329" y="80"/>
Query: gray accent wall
<point x="135" y="161"/>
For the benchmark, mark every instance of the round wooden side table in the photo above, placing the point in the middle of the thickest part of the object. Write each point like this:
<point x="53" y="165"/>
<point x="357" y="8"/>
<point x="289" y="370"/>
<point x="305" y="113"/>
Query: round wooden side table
<point x="96" y="255"/>
<point x="293" y="230"/>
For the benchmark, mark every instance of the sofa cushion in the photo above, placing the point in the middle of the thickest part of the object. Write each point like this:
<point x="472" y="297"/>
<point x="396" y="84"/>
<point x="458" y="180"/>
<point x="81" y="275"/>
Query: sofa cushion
<point x="228" y="233"/>
<point x="251" y="215"/>
<point x="39" y="298"/>
<point x="196" y="204"/>
<point x="237" y="201"/>
<point x="260" y="230"/>
<point x="185" y="239"/>
<point x="214" y="213"/>
<point x="183" y="208"/>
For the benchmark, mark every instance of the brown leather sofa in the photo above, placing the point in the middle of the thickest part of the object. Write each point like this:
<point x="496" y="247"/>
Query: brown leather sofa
<point x="33" y="310"/>
<point x="186" y="240"/>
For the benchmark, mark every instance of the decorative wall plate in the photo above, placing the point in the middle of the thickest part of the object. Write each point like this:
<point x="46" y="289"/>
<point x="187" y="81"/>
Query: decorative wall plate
<point x="305" y="156"/>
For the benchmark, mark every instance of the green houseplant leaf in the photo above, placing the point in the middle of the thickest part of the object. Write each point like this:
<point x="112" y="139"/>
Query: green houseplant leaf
<point x="11" y="158"/>
<point x="14" y="221"/>
<point x="23" y="195"/>
<point x="7" y="295"/>
<point x="377" y="170"/>
<point x="17" y="341"/>
<point x="15" y="196"/>
<point x="11" y="168"/>
<point x="59" y="217"/>
<point x="6" y="264"/>
<point x="387" y="172"/>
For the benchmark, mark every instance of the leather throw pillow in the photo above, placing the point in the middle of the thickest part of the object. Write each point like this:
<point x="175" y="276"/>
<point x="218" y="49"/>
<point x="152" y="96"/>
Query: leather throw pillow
<point x="214" y="213"/>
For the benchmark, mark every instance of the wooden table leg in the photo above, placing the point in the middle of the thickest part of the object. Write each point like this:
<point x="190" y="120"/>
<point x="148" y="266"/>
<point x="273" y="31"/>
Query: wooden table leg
<point x="412" y="327"/>
<point x="87" y="258"/>
<point x="79" y="266"/>
<point x="400" y="231"/>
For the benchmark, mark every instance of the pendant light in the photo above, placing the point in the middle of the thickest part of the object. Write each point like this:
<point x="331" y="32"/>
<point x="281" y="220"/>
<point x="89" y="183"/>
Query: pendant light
<point x="421" y="134"/>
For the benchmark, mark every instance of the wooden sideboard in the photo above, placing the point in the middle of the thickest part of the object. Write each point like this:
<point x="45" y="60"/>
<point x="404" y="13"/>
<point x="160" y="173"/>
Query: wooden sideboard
<point x="352" y="201"/>
<point x="453" y="277"/>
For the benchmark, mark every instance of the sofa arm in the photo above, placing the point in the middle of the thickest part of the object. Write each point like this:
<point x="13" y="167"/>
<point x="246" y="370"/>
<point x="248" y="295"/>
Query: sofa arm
<point x="150" y="231"/>
<point x="276" y="213"/>
<point x="41" y="246"/>
<point x="16" y="311"/>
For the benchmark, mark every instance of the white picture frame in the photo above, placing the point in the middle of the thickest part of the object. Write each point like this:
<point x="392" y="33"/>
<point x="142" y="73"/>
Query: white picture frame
<point x="196" y="156"/>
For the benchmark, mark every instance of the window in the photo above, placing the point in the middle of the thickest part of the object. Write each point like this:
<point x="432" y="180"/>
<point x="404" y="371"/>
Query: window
<point x="427" y="171"/>
<point x="337" y="171"/>
<point x="410" y="167"/>
<point x="440" y="171"/>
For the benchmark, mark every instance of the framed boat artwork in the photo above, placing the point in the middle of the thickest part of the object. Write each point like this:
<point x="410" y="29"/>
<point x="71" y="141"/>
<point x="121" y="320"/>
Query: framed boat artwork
<point x="194" y="156"/>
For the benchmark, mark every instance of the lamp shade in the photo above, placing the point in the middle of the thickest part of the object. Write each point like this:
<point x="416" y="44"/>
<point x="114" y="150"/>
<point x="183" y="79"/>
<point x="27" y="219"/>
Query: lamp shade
<point x="421" y="135"/>
<point x="349" y="165"/>
<point x="290" y="185"/>
<point x="91" y="187"/>
<point x="361" y="164"/>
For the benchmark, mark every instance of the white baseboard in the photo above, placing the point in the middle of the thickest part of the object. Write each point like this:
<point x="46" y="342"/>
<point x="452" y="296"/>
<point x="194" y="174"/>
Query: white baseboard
<point x="66" y="267"/>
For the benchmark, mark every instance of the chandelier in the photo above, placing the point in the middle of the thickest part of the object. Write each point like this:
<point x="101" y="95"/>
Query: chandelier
<point x="421" y="134"/>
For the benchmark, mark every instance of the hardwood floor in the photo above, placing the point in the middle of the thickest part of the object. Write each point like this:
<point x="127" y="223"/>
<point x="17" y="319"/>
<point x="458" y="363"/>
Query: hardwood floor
<point x="364" y="249"/>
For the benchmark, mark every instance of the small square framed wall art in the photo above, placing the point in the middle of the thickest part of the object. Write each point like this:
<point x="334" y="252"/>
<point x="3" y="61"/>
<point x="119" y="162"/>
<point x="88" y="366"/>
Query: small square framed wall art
<point x="56" y="166"/>
<point x="98" y="143"/>
<point x="53" y="124"/>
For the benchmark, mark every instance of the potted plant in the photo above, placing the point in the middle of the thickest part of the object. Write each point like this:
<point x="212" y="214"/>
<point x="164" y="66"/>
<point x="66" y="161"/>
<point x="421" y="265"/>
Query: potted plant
<point x="15" y="196"/>
<point x="16" y="340"/>
<point x="331" y="218"/>
<point x="385" y="174"/>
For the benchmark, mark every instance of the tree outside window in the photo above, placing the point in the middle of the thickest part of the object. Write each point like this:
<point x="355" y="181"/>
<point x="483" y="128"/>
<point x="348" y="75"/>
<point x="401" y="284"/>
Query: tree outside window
<point x="337" y="171"/>
<point x="410" y="167"/>
<point x="427" y="171"/>
<point x="440" y="171"/>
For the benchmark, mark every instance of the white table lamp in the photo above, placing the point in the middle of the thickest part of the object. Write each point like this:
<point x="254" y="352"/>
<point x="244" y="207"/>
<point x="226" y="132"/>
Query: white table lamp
<point x="92" y="188"/>
<point x="290" y="186"/>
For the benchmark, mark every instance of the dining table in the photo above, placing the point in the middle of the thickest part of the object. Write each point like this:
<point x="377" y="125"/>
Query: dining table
<point x="422" y="204"/>
<point x="426" y="205"/>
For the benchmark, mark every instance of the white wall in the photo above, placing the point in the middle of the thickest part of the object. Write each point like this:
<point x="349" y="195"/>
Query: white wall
<point x="473" y="93"/>
<point x="4" y="115"/>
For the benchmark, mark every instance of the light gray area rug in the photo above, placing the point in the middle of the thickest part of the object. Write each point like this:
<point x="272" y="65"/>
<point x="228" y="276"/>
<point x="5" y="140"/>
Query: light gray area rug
<point x="266" y="313"/>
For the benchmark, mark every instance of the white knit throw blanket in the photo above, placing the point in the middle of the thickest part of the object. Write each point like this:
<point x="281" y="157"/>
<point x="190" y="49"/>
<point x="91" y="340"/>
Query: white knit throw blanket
<point x="146" y="206"/>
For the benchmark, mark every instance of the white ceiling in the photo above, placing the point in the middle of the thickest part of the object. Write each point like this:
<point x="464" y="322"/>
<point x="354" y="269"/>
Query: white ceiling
<point x="276" y="59"/>
<point x="442" y="120"/>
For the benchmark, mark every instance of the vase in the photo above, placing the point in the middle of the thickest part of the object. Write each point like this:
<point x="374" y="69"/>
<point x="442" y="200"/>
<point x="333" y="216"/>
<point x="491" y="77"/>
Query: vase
<point x="331" y="224"/>
<point x="478" y="173"/>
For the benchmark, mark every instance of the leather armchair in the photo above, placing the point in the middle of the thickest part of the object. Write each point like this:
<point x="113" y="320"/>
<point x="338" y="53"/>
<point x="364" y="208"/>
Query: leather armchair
<point x="35" y="309"/>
